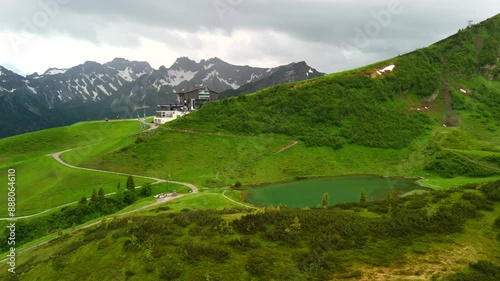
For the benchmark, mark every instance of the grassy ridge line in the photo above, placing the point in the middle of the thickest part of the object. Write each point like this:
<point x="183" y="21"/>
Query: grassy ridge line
<point x="50" y="140"/>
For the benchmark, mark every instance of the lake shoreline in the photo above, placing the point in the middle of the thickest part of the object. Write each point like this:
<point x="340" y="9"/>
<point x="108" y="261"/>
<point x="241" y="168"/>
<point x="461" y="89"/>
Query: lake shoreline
<point x="306" y="192"/>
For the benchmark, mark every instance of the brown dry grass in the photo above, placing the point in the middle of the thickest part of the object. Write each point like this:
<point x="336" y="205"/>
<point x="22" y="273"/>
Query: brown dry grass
<point x="423" y="267"/>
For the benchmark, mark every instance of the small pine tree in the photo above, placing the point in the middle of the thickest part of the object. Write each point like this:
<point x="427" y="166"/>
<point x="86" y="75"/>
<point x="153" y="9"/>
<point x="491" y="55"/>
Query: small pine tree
<point x="296" y="223"/>
<point x="129" y="197"/>
<point x="93" y="199"/>
<point x="362" y="199"/>
<point x="119" y="193"/>
<point x="101" y="196"/>
<point x="389" y="195"/>
<point x="83" y="201"/>
<point x="146" y="190"/>
<point x="130" y="183"/>
<point x="324" y="201"/>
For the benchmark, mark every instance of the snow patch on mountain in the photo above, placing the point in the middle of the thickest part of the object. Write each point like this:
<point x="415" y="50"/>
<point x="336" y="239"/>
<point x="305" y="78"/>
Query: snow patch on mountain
<point x="84" y="89"/>
<point x="232" y="85"/>
<point x="54" y="71"/>
<point x="126" y="74"/>
<point x="254" y="77"/>
<point x="103" y="89"/>
<point x="141" y="73"/>
<point x="213" y="73"/>
<point x="387" y="68"/>
<point x="32" y="89"/>
<point x="3" y="89"/>
<point x="179" y="76"/>
<point x="95" y="95"/>
<point x="159" y="83"/>
<point x="209" y="66"/>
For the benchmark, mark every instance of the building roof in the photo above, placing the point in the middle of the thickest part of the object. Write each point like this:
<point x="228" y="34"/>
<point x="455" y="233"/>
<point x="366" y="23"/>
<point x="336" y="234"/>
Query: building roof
<point x="196" y="89"/>
<point x="170" y="106"/>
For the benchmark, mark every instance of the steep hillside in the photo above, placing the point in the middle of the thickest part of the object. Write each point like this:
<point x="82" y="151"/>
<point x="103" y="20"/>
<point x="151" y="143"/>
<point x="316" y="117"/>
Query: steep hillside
<point x="450" y="89"/>
<point x="374" y="108"/>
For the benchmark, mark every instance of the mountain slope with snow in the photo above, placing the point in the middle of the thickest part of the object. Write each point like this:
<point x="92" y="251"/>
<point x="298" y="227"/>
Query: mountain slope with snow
<point x="116" y="89"/>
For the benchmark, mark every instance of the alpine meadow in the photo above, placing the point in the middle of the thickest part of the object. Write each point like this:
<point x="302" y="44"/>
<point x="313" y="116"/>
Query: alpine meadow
<point x="103" y="200"/>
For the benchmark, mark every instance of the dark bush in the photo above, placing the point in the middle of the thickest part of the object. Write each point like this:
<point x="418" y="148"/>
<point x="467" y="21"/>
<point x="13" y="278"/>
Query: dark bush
<point x="492" y="190"/>
<point x="479" y="202"/>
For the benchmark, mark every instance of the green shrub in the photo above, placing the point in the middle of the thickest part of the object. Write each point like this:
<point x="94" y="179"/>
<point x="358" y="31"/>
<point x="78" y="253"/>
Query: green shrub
<point x="449" y="165"/>
<point x="492" y="190"/>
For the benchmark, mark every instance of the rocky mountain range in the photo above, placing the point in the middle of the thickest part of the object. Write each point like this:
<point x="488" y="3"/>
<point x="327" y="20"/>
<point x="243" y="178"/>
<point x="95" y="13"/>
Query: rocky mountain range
<point x="117" y="88"/>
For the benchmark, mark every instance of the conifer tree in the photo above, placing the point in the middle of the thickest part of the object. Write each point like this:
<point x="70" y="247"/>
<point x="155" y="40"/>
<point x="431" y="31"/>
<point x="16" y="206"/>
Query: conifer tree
<point x="362" y="199"/>
<point x="130" y="183"/>
<point x="93" y="199"/>
<point x="83" y="201"/>
<point x="101" y="195"/>
<point x="324" y="201"/>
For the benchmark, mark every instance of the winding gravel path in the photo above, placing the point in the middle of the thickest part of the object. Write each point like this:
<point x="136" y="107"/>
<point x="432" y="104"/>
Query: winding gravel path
<point x="57" y="157"/>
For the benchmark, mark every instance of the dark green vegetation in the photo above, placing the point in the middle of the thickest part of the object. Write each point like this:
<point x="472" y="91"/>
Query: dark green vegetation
<point x="481" y="270"/>
<point x="97" y="205"/>
<point x="335" y="243"/>
<point x="328" y="111"/>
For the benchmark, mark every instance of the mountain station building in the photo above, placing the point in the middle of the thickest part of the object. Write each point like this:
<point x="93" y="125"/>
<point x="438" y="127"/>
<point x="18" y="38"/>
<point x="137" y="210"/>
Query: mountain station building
<point x="187" y="101"/>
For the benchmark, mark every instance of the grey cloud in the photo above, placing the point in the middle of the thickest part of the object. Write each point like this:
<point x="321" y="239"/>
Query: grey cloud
<point x="329" y="26"/>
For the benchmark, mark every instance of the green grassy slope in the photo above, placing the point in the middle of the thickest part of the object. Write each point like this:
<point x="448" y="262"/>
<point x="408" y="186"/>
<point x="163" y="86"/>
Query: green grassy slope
<point x="43" y="183"/>
<point x="183" y="156"/>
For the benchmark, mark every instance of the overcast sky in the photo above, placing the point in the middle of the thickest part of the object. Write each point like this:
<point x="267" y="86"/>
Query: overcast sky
<point x="330" y="35"/>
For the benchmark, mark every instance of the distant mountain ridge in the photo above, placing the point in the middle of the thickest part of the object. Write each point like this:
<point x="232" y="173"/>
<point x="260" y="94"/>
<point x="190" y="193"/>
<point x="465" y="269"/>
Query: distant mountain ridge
<point x="285" y="74"/>
<point x="115" y="89"/>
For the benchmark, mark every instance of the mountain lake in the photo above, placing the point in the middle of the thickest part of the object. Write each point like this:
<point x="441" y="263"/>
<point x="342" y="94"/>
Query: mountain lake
<point x="309" y="193"/>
